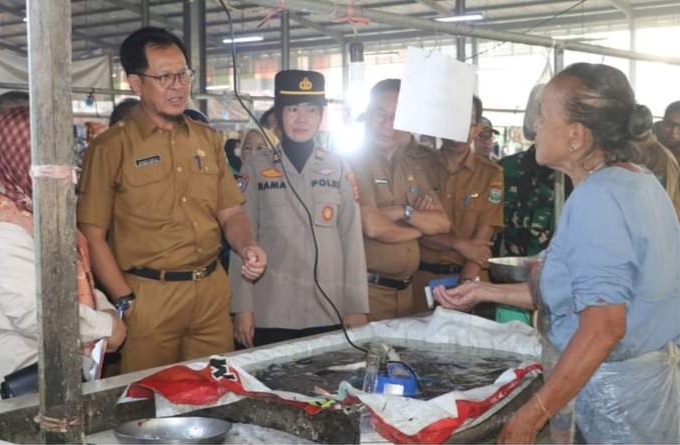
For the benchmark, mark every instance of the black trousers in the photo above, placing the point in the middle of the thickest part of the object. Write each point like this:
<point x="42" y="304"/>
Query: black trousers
<point x="265" y="336"/>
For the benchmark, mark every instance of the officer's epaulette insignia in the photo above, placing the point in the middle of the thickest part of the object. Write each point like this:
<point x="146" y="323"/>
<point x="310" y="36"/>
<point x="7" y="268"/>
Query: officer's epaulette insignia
<point x="306" y="85"/>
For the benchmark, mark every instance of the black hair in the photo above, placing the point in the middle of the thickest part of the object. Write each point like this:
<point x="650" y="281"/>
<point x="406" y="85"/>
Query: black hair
<point x="230" y="151"/>
<point x="604" y="102"/>
<point x="12" y="99"/>
<point x="133" y="49"/>
<point x="479" y="108"/>
<point x="384" y="86"/>
<point x="265" y="117"/>
<point x="673" y="107"/>
<point x="121" y="110"/>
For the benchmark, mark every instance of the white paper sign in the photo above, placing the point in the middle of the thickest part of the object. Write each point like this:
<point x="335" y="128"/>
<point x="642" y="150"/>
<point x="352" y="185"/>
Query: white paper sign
<point x="436" y="95"/>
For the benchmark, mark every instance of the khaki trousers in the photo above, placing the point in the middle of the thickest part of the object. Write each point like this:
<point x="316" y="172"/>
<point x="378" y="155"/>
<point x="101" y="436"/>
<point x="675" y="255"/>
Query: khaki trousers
<point x="170" y="322"/>
<point x="386" y="303"/>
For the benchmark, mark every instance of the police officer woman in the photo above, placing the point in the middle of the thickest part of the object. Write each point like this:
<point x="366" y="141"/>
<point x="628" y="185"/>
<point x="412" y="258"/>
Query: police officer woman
<point x="286" y="303"/>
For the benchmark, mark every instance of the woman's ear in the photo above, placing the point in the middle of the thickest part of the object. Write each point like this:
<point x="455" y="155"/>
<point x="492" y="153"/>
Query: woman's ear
<point x="579" y="137"/>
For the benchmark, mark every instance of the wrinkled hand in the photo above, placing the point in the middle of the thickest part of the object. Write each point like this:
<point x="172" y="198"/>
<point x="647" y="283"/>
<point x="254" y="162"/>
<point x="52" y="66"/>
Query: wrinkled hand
<point x="244" y="328"/>
<point x="463" y="297"/>
<point x="524" y="425"/>
<point x="355" y="320"/>
<point x="475" y="250"/>
<point x="424" y="202"/>
<point x="254" y="262"/>
<point x="118" y="334"/>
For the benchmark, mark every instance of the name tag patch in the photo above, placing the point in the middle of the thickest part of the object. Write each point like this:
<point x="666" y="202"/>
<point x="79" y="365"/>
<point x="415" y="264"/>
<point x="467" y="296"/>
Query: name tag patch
<point x="151" y="160"/>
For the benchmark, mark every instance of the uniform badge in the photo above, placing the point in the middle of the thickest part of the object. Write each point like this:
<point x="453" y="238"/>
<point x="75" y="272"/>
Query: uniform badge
<point x="151" y="160"/>
<point x="349" y="176"/>
<point x="200" y="152"/>
<point x="319" y="154"/>
<point x="495" y="196"/>
<point x="469" y="197"/>
<point x="381" y="181"/>
<point x="271" y="173"/>
<point x="410" y="178"/>
<point x="242" y="182"/>
<point x="306" y="85"/>
<point x="325" y="171"/>
<point x="327" y="213"/>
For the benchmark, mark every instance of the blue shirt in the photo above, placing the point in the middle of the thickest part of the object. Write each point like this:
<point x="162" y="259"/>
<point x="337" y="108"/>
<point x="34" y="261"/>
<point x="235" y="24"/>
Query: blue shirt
<point x="618" y="242"/>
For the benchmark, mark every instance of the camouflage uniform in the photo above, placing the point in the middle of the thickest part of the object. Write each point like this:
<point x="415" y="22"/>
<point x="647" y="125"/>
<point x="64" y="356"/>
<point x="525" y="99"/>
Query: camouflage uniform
<point x="528" y="205"/>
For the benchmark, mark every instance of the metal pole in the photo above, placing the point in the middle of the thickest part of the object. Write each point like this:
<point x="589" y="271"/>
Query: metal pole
<point x="559" y="176"/>
<point x="49" y="63"/>
<point x="345" y="69"/>
<point x="632" y="67"/>
<point x="460" y="40"/>
<point x="475" y="61"/>
<point x="285" y="40"/>
<point x="326" y="8"/>
<point x="144" y="12"/>
<point x="194" y="39"/>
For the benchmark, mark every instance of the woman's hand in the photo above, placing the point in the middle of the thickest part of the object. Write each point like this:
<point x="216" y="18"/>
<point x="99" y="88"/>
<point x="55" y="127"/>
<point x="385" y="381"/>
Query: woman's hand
<point x="463" y="297"/>
<point x="525" y="424"/>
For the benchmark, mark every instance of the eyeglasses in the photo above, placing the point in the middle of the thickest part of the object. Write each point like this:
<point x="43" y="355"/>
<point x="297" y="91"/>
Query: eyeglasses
<point x="167" y="80"/>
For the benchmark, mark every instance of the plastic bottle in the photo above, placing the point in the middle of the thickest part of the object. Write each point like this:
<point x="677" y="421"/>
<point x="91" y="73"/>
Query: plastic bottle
<point x="374" y="360"/>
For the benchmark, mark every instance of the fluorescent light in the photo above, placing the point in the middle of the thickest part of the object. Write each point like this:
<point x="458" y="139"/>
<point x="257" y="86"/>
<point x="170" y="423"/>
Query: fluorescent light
<point x="461" y="18"/>
<point x="25" y="19"/>
<point x="245" y="39"/>
<point x="218" y="87"/>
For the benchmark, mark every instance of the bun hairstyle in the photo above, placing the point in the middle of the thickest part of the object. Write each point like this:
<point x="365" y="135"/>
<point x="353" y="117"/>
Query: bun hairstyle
<point x="603" y="101"/>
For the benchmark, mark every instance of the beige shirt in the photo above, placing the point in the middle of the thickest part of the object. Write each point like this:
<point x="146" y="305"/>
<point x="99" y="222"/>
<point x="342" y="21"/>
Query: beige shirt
<point x="157" y="192"/>
<point x="471" y="197"/>
<point x="383" y="184"/>
<point x="286" y="296"/>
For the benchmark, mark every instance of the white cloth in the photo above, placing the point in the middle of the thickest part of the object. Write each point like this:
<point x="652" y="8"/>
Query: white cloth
<point x="18" y="320"/>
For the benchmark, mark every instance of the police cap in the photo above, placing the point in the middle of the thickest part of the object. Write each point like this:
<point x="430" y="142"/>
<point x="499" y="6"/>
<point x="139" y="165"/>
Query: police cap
<point x="295" y="86"/>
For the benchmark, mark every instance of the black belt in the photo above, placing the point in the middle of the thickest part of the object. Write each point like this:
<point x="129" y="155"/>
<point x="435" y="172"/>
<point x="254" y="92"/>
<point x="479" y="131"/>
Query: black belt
<point x="374" y="278"/>
<point x="192" y="275"/>
<point x="440" y="268"/>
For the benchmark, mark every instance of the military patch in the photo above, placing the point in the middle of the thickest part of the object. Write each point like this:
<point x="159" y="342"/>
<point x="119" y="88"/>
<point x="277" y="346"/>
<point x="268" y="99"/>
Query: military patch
<point x="271" y="173"/>
<point x="151" y="160"/>
<point x="327" y="213"/>
<point x="324" y="171"/>
<point x="349" y="176"/>
<point x="495" y="196"/>
<point x="242" y="182"/>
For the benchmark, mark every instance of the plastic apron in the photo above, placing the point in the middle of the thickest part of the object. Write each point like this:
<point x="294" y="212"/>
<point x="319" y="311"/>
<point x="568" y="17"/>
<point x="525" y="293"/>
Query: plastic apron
<point x="636" y="400"/>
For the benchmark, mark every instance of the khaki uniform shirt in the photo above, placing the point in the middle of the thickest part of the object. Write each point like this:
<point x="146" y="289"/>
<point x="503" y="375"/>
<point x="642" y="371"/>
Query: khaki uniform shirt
<point x="471" y="197"/>
<point x="157" y="192"/>
<point x="286" y="295"/>
<point x="383" y="184"/>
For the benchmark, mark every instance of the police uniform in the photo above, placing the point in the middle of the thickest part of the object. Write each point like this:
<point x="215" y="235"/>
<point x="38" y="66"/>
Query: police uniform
<point x="471" y="197"/>
<point x="286" y="297"/>
<point x="391" y="265"/>
<point x="157" y="193"/>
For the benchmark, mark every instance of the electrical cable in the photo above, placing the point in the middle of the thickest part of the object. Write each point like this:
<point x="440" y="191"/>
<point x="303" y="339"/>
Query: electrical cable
<point x="290" y="184"/>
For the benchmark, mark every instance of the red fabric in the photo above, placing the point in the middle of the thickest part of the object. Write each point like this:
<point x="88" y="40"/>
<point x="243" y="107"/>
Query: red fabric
<point x="15" y="157"/>
<point x="183" y="385"/>
<point x="440" y="431"/>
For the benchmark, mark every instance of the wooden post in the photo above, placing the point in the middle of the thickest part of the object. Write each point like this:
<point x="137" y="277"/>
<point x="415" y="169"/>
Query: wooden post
<point x="49" y="61"/>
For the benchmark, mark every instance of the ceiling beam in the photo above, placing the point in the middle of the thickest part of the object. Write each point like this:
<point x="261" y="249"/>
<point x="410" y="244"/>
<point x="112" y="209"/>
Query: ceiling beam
<point x="173" y="24"/>
<point x="432" y="4"/>
<point x="624" y="6"/>
<point x="339" y="37"/>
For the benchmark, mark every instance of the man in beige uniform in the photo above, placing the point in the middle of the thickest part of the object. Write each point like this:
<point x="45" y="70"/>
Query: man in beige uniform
<point x="398" y="206"/>
<point x="470" y="188"/>
<point x="286" y="303"/>
<point x="154" y="194"/>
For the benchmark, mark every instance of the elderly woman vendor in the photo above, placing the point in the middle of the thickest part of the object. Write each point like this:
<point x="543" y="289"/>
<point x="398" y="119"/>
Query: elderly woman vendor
<point x="608" y="291"/>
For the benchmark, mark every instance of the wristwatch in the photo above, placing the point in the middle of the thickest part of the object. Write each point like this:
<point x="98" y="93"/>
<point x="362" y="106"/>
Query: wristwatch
<point x="408" y="212"/>
<point x="469" y="280"/>
<point x="122" y="304"/>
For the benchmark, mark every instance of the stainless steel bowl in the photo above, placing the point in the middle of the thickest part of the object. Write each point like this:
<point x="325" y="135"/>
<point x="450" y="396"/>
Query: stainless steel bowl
<point x="509" y="269"/>
<point x="173" y="430"/>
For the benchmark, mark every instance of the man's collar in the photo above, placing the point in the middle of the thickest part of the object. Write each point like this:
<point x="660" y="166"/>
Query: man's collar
<point x="146" y="126"/>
